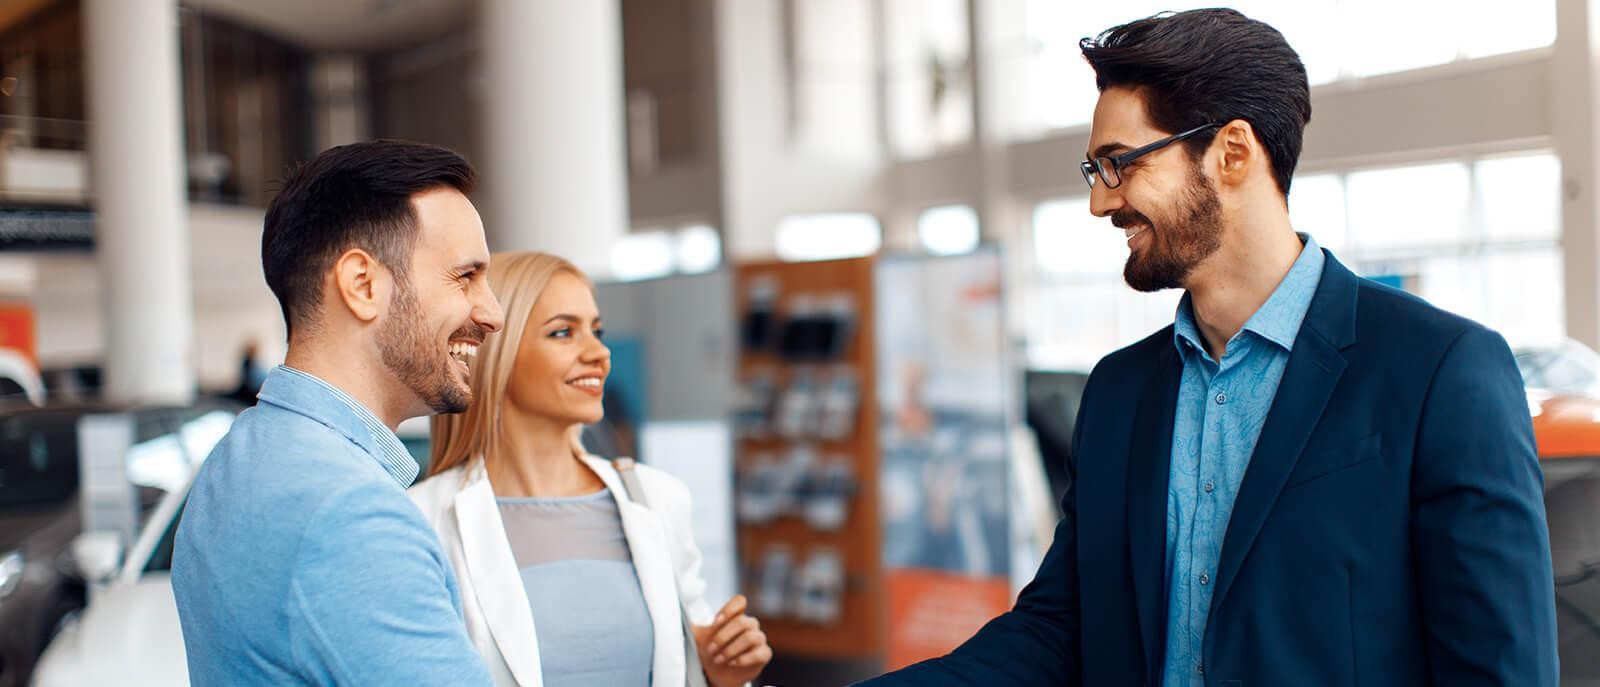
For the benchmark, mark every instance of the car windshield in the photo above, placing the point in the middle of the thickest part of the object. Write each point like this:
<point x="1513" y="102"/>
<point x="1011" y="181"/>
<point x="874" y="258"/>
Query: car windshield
<point x="1571" y="368"/>
<point x="164" y="465"/>
<point x="38" y="458"/>
<point x="40" y="464"/>
<point x="161" y="556"/>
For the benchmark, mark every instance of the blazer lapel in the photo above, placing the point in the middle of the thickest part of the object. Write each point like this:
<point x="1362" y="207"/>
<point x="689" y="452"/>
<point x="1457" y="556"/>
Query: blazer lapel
<point x="496" y="581"/>
<point x="1314" y="368"/>
<point x="647" y="543"/>
<point x="1149" y="465"/>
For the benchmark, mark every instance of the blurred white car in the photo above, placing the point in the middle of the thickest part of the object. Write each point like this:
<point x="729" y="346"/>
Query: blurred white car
<point x="1569" y="368"/>
<point x="129" y="633"/>
<point x="18" y="377"/>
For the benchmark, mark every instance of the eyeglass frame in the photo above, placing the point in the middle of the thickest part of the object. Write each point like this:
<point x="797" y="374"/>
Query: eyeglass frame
<point x="1093" y="166"/>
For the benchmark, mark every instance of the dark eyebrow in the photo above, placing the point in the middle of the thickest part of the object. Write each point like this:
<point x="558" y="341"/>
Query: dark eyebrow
<point x="1107" y="149"/>
<point x="468" y="268"/>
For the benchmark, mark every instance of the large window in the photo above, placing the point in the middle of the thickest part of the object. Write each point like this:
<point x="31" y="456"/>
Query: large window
<point x="42" y="97"/>
<point x="665" y="90"/>
<point x="244" y="98"/>
<point x="1479" y="237"/>
<point x="928" y="76"/>
<point x="832" y="74"/>
<point x="1076" y="308"/>
<point x="246" y="105"/>
<point x="1484" y="244"/>
<point x="1337" y="39"/>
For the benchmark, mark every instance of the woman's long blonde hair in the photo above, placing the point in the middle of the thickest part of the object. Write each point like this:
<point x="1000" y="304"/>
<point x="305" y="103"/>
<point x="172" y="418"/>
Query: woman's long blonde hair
<point x="517" y="279"/>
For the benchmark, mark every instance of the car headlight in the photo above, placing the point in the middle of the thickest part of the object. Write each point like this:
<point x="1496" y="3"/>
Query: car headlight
<point x="11" y="566"/>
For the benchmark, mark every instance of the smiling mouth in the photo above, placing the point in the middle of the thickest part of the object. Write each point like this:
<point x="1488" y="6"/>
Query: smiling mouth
<point x="464" y="353"/>
<point x="590" y="384"/>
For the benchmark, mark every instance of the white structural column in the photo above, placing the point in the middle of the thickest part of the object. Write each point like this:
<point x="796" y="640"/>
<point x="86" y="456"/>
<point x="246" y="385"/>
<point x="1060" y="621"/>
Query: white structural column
<point x="1574" y="76"/>
<point x="553" y="174"/>
<point x="136" y="164"/>
<point x="750" y="121"/>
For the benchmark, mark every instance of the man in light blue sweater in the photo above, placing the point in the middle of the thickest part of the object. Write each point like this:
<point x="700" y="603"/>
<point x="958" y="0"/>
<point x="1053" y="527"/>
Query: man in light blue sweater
<point x="299" y="559"/>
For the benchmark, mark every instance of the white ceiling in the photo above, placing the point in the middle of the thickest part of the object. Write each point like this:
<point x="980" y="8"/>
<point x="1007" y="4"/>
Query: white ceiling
<point x="347" y="25"/>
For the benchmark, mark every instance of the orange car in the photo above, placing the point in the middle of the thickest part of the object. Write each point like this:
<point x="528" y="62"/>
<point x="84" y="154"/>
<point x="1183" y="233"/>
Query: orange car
<point x="1565" y="426"/>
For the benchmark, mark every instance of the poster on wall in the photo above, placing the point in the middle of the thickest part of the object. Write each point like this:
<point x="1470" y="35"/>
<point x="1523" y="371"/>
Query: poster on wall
<point x="944" y="395"/>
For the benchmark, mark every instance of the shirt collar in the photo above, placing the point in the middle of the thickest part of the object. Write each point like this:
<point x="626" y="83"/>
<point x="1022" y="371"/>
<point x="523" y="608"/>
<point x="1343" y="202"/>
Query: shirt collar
<point x="1279" y="319"/>
<point x="311" y="396"/>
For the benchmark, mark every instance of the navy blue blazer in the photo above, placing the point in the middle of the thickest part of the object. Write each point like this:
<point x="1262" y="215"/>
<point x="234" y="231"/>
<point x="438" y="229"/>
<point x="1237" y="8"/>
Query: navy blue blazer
<point x="1390" y="529"/>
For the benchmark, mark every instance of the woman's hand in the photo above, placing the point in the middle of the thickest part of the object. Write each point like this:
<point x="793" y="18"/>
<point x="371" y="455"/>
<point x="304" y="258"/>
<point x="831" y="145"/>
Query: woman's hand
<point x="733" y="649"/>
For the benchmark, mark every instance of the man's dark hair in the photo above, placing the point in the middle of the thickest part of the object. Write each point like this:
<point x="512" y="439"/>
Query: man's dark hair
<point x="1210" y="66"/>
<point x="350" y="196"/>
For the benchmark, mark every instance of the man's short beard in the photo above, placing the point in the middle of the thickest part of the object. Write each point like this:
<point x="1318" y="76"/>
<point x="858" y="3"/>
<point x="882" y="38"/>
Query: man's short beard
<point x="1176" y="248"/>
<point x="411" y="354"/>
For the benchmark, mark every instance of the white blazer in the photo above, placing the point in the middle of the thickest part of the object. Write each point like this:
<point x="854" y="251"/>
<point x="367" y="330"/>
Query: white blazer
<point x="460" y="504"/>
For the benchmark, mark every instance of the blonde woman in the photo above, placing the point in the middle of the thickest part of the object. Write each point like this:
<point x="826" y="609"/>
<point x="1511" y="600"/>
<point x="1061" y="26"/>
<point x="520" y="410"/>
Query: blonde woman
<point x="566" y="578"/>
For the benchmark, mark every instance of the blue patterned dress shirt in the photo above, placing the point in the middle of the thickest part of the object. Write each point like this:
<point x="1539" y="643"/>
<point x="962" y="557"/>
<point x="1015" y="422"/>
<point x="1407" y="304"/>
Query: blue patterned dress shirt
<point x="1221" y="408"/>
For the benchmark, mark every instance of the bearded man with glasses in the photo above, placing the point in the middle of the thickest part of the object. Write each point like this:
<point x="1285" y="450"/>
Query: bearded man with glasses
<point x="1308" y="478"/>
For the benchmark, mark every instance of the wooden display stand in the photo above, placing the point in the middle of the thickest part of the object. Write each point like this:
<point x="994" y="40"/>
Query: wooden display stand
<point x="861" y="629"/>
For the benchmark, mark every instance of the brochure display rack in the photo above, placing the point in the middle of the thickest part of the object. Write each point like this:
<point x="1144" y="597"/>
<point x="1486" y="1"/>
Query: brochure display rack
<point x="872" y="410"/>
<point x="809" y="536"/>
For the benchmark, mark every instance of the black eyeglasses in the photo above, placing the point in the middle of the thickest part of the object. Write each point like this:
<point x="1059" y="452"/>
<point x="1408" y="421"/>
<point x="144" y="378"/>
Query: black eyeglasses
<point x="1109" y="169"/>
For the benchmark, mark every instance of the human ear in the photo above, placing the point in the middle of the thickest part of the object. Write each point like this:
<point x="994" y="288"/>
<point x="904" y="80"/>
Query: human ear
<point x="361" y="283"/>
<point x="1238" y="152"/>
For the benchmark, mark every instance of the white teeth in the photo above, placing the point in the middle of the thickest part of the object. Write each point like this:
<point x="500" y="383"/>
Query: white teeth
<point x="463" y="352"/>
<point x="586" y="382"/>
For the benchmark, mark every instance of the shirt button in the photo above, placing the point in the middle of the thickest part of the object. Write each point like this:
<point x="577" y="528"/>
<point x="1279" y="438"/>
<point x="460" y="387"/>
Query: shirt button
<point x="1210" y="486"/>
<point x="1201" y="668"/>
<point x="1222" y="397"/>
<point x="1205" y="579"/>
